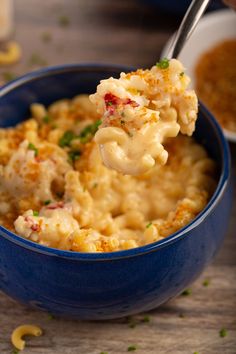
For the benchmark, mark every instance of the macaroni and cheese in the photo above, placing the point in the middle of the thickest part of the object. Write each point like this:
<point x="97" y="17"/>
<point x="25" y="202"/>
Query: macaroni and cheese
<point x="139" y="111"/>
<point x="55" y="190"/>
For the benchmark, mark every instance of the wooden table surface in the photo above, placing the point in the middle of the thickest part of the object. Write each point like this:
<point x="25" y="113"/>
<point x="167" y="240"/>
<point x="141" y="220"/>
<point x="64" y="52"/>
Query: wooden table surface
<point x="122" y="32"/>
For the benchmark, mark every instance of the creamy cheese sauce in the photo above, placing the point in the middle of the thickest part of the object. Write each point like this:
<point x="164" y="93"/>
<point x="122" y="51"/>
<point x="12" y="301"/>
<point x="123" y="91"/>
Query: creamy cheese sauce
<point x="56" y="191"/>
<point x="139" y="111"/>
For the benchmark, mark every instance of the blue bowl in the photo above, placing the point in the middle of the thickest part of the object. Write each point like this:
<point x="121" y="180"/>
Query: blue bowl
<point x="108" y="285"/>
<point x="179" y="7"/>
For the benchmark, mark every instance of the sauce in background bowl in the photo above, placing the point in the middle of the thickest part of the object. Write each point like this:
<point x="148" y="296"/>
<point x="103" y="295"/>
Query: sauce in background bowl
<point x="215" y="73"/>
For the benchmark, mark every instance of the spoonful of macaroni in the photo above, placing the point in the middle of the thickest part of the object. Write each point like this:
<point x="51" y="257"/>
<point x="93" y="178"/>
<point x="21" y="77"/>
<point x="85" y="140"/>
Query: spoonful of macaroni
<point x="143" y="108"/>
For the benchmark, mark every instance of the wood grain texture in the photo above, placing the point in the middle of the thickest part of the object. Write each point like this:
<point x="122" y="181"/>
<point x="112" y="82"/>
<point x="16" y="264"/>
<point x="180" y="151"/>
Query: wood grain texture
<point x="122" y="32"/>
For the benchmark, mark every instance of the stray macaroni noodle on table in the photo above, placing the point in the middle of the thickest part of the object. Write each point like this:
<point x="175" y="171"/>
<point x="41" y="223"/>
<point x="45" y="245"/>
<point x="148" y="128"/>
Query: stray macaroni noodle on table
<point x="56" y="191"/>
<point x="24" y="330"/>
<point x="140" y="110"/>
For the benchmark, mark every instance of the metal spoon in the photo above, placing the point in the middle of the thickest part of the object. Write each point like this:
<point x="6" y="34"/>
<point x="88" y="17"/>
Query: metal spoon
<point x="187" y="26"/>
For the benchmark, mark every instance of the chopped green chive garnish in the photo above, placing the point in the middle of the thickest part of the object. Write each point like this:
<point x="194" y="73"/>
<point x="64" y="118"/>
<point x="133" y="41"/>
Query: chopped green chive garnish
<point x="74" y="155"/>
<point x="15" y="351"/>
<point x="32" y="147"/>
<point x="109" y="103"/>
<point x="95" y="185"/>
<point x="8" y="76"/>
<point x="195" y="353"/>
<point x="104" y="353"/>
<point x="46" y="202"/>
<point x="145" y="319"/>
<point x="35" y="213"/>
<point x="36" y="59"/>
<point x="181" y="74"/>
<point x="186" y="292"/>
<point x="85" y="139"/>
<point x="132" y="348"/>
<point x="50" y="316"/>
<point x="64" y="21"/>
<point x="46" y="37"/>
<point x="132" y="324"/>
<point x="47" y="119"/>
<point x="88" y="132"/>
<point x="85" y="135"/>
<point x="66" y="138"/>
<point x="149" y="225"/>
<point x="163" y="63"/>
<point x="223" y="332"/>
<point x="206" y="282"/>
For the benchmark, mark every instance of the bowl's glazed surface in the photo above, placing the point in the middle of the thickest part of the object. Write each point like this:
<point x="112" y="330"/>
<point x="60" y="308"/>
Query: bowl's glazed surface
<point x="109" y="285"/>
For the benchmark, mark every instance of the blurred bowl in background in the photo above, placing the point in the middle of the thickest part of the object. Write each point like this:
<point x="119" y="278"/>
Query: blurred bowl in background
<point x="212" y="29"/>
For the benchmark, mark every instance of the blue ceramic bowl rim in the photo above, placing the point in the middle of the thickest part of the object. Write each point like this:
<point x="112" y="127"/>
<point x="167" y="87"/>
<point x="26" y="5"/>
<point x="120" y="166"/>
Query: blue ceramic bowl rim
<point x="223" y="180"/>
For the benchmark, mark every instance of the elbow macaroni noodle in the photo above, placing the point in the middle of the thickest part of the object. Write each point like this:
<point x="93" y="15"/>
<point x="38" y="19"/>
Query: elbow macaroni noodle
<point x="11" y="55"/>
<point x="55" y="190"/>
<point x="21" y="331"/>
<point x="140" y="110"/>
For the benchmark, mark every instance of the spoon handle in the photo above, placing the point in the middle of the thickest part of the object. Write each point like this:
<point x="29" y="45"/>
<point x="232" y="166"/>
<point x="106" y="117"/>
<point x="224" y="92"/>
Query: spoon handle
<point x="187" y="26"/>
